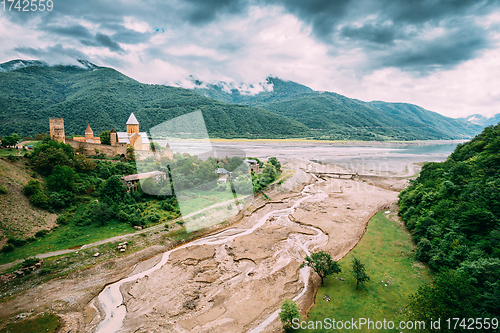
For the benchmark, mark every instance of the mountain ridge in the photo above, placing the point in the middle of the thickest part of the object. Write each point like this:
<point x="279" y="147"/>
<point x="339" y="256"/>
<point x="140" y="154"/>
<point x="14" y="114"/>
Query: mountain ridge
<point x="31" y="91"/>
<point x="104" y="98"/>
<point x="337" y="116"/>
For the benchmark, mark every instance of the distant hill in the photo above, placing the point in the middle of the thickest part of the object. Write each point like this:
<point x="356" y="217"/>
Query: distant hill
<point x="32" y="91"/>
<point x="482" y="120"/>
<point x="333" y="116"/>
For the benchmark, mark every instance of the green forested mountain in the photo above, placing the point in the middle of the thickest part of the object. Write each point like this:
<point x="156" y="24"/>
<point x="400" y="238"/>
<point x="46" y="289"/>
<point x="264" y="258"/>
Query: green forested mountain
<point x="453" y="212"/>
<point x="30" y="93"/>
<point x="333" y="116"/>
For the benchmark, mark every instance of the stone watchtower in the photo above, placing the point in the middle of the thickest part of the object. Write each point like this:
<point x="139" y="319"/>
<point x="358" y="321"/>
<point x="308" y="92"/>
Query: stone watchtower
<point x="57" y="129"/>
<point x="113" y="137"/>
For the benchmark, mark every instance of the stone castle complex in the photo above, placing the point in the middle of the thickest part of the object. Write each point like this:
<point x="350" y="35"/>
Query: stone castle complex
<point x="91" y="145"/>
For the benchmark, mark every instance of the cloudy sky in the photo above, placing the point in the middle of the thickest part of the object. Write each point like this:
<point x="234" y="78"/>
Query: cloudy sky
<point x="443" y="55"/>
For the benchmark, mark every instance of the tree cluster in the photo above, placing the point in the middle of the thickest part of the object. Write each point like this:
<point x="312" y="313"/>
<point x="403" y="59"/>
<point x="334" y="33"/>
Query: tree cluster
<point x="453" y="213"/>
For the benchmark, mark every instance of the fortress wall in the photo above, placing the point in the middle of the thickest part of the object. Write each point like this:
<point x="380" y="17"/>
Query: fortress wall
<point x="89" y="148"/>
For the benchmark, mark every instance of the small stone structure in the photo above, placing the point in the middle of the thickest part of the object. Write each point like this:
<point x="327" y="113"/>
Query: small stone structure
<point x="224" y="175"/>
<point x="253" y="165"/>
<point x="131" y="181"/>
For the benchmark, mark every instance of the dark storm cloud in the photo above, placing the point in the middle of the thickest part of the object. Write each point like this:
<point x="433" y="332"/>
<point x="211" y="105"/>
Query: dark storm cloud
<point x="389" y="33"/>
<point x="399" y="28"/>
<point x="443" y="52"/>
<point x="204" y="11"/>
<point x="428" y="10"/>
<point x="128" y="36"/>
<point x="52" y="52"/>
<point x="379" y="34"/>
<point x="322" y="15"/>
<point x="76" y="31"/>
<point x="102" y="40"/>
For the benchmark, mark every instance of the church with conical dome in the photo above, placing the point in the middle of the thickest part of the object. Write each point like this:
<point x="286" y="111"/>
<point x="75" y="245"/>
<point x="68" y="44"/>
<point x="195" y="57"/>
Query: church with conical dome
<point x="138" y="140"/>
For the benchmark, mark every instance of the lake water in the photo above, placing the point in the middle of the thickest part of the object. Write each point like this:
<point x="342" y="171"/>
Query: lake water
<point x="364" y="158"/>
<point x="360" y="157"/>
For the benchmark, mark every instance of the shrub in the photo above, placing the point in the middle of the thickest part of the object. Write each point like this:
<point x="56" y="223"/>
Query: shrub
<point x="61" y="199"/>
<point x="41" y="233"/>
<point x="3" y="190"/>
<point x="8" y="248"/>
<point x="33" y="186"/>
<point x="39" y="199"/>
<point x="101" y="213"/>
<point x="153" y="217"/>
<point x="30" y="262"/>
<point x="16" y="242"/>
<point x="65" y="218"/>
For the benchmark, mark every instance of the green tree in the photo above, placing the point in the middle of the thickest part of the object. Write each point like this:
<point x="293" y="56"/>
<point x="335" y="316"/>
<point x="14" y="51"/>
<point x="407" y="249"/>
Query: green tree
<point x="130" y="153"/>
<point x="155" y="146"/>
<point x="268" y="175"/>
<point x="450" y="296"/>
<point x="101" y="213"/>
<point x="47" y="155"/>
<point x="358" y="271"/>
<point x="274" y="161"/>
<point x="113" y="190"/>
<point x="105" y="138"/>
<point x="289" y="311"/>
<point x="9" y="141"/>
<point x="322" y="263"/>
<point x="62" y="178"/>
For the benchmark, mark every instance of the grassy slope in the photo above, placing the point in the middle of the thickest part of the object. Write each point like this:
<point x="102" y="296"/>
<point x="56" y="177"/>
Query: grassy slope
<point x="104" y="98"/>
<point x="46" y="324"/>
<point x="18" y="218"/>
<point x="386" y="250"/>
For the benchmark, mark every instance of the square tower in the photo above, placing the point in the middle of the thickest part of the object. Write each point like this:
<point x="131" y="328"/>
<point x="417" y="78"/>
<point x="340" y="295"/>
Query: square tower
<point x="57" y="129"/>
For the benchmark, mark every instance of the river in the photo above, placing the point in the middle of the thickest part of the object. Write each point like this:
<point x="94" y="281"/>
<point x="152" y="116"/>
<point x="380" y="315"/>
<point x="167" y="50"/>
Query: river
<point x="111" y="299"/>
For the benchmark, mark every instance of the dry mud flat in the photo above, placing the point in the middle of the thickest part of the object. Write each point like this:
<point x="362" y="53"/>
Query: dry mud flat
<point x="237" y="283"/>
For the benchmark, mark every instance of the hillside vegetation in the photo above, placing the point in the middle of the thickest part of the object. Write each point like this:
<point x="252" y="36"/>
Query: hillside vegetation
<point x="18" y="218"/>
<point x="453" y="212"/>
<point x="104" y="98"/>
<point x="333" y="116"/>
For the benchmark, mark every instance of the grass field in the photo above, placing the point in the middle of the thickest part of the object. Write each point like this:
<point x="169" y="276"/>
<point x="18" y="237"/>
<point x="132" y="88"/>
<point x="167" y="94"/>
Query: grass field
<point x="46" y="324"/>
<point x="386" y="250"/>
<point x="11" y="152"/>
<point x="67" y="236"/>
